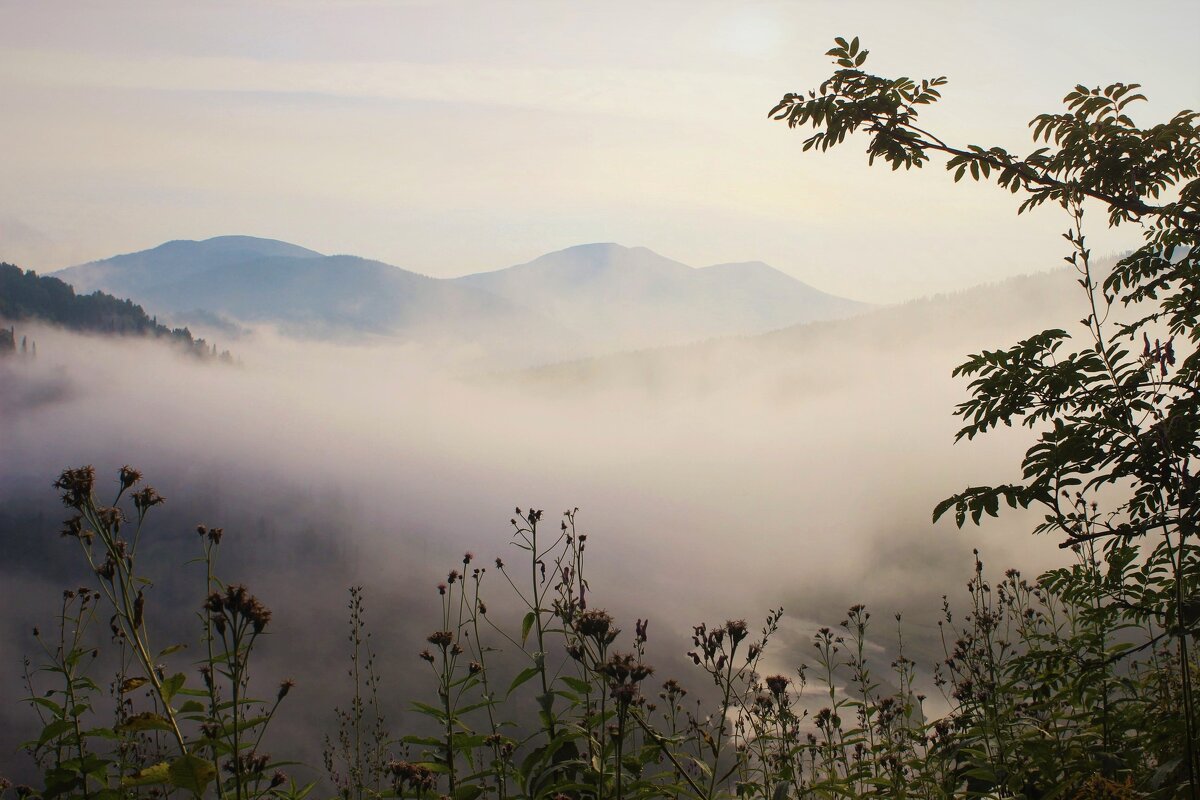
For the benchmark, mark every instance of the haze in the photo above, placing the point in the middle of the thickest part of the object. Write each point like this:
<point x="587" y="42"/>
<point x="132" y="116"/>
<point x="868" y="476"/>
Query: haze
<point x="542" y="255"/>
<point x="715" y="480"/>
<point x="450" y="138"/>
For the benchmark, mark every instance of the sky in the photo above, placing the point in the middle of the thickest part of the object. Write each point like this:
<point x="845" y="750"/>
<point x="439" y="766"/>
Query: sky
<point x="450" y="138"/>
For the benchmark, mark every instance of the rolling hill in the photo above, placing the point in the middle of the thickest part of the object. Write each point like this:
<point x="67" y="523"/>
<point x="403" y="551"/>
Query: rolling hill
<point x="585" y="300"/>
<point x="622" y="298"/>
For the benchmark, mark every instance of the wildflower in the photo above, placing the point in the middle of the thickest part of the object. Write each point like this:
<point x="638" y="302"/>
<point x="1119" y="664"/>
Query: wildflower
<point x="145" y="499"/>
<point x="441" y="638"/>
<point x="111" y="518"/>
<point x="413" y="777"/>
<point x="777" y="684"/>
<point x="76" y="486"/>
<point x="236" y="602"/>
<point x="624" y="672"/>
<point x="129" y="477"/>
<point x="108" y="569"/>
<point x="284" y="688"/>
<point x="596" y="624"/>
<point x="427" y="656"/>
<point x="73" y="527"/>
<point x="212" y="534"/>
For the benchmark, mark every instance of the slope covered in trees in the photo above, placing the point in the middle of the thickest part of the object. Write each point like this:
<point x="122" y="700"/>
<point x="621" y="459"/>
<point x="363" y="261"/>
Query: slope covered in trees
<point x="25" y="295"/>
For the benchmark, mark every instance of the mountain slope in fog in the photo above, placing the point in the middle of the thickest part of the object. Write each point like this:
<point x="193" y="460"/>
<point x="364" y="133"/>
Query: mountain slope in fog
<point x="137" y="274"/>
<point x="629" y="297"/>
<point x="583" y="300"/>
<point x="309" y="294"/>
<point x="819" y="357"/>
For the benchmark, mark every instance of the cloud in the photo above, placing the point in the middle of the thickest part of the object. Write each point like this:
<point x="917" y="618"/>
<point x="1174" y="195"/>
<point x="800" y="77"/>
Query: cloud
<point x="610" y="91"/>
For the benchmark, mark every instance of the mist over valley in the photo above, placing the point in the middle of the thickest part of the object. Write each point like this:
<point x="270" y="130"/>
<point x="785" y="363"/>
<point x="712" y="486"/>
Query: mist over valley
<point x="553" y="401"/>
<point x="719" y="478"/>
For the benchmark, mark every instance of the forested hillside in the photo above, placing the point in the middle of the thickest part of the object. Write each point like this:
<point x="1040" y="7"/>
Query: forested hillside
<point x="25" y="295"/>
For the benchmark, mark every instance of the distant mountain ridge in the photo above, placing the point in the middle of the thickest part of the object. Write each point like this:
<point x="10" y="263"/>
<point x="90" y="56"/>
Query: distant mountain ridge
<point x="630" y="297"/>
<point x="174" y="260"/>
<point x="583" y="300"/>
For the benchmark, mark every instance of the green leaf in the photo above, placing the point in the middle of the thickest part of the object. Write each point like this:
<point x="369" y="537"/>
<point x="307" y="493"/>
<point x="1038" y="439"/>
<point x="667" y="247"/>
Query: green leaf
<point x="130" y="684"/>
<point x="146" y="721"/>
<point x="55" y="729"/>
<point x="468" y="792"/>
<point x="527" y="625"/>
<point x="192" y="773"/>
<point x="159" y="773"/>
<point x="581" y="686"/>
<point x="523" y="676"/>
<point x="173" y="684"/>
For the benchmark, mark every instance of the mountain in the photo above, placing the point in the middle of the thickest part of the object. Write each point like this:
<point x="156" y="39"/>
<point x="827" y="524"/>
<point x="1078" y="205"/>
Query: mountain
<point x="133" y="274"/>
<point x="631" y="297"/>
<point x="823" y="357"/>
<point x="306" y="293"/>
<point x="580" y="301"/>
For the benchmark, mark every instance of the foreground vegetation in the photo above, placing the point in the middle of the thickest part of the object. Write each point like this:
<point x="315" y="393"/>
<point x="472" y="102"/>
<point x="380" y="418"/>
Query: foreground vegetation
<point x="1077" y="683"/>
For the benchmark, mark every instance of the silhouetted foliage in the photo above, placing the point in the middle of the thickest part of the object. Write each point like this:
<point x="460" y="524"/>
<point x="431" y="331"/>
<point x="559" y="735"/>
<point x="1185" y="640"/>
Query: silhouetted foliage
<point x="25" y="295"/>
<point x="1118" y="419"/>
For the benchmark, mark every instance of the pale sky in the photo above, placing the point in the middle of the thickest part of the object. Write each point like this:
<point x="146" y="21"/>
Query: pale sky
<point x="450" y="137"/>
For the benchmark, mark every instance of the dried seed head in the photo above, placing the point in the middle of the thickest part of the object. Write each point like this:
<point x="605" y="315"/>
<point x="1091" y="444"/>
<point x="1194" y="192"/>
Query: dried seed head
<point x="72" y="527"/>
<point x="111" y="517"/>
<point x="596" y="624"/>
<point x="236" y="604"/>
<point x="414" y="777"/>
<point x="76" y="486"/>
<point x="129" y="477"/>
<point x="108" y="569"/>
<point x="147" y="498"/>
<point x="442" y="639"/>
